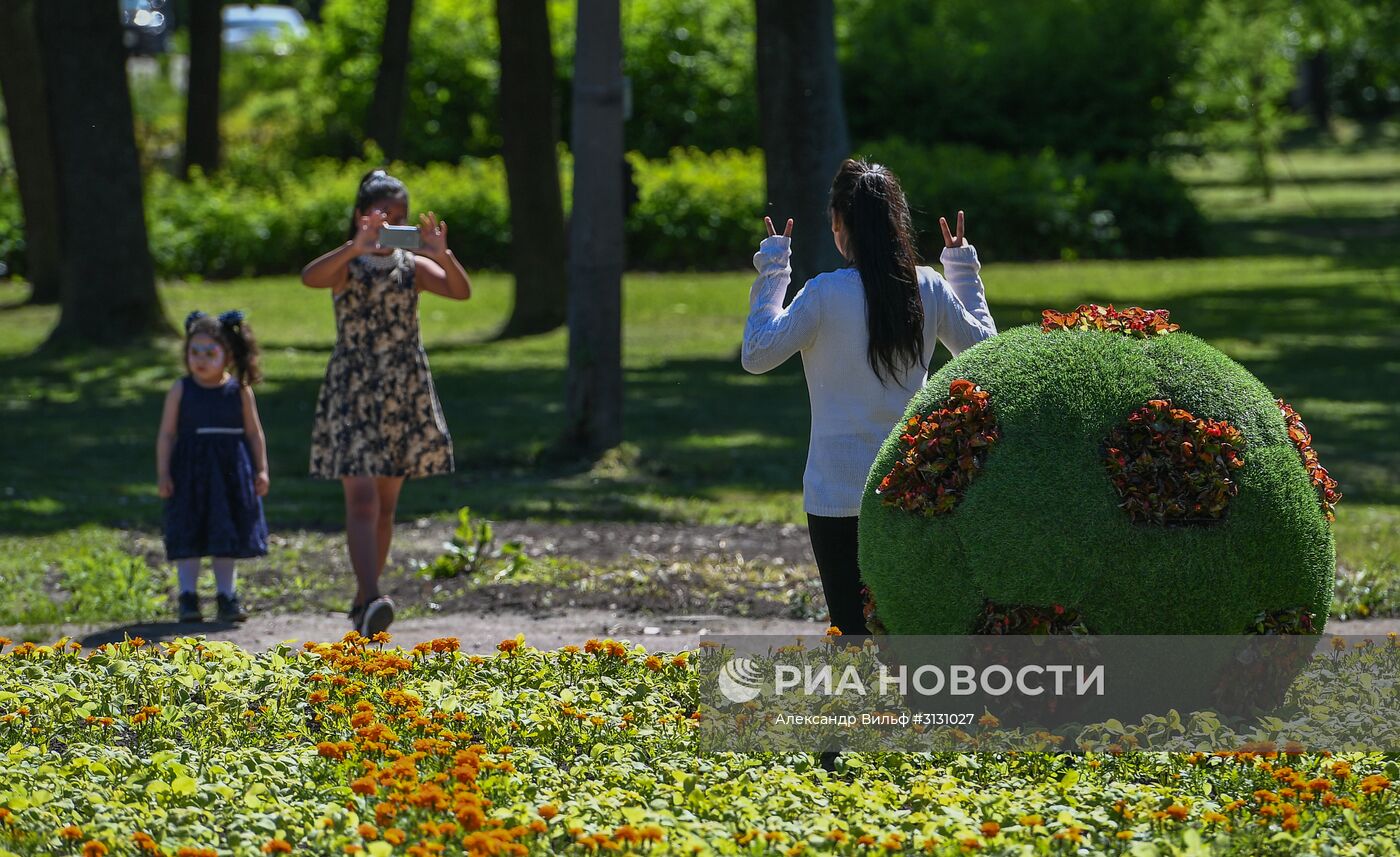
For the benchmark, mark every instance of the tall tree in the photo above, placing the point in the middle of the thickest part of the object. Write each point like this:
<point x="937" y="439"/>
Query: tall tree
<point x="529" y="132"/>
<point x="802" y="124"/>
<point x="384" y="124"/>
<point x="31" y="143"/>
<point x="106" y="278"/>
<point x="202" y="93"/>
<point x="594" y="378"/>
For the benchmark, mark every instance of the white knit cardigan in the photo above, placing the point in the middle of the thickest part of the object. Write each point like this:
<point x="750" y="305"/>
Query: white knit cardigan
<point x="852" y="412"/>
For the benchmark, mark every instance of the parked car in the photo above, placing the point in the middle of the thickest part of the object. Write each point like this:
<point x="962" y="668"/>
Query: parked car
<point x="246" y="25"/>
<point x="145" y="29"/>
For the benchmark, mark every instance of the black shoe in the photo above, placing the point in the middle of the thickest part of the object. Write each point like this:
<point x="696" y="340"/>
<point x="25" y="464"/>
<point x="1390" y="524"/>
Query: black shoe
<point x="231" y="609"/>
<point x="189" y="608"/>
<point x="378" y="616"/>
<point x="828" y="761"/>
<point x="356" y="611"/>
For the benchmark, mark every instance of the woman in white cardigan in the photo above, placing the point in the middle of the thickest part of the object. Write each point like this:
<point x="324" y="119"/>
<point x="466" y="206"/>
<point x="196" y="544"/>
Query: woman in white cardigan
<point x="867" y="333"/>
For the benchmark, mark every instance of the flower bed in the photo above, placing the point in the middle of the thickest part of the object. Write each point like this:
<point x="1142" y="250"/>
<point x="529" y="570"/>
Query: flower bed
<point x="195" y="748"/>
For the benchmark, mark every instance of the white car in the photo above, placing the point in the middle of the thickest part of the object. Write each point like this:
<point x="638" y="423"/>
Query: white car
<point x="245" y="25"/>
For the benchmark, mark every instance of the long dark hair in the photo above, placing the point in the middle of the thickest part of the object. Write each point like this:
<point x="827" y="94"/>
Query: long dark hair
<point x="870" y="205"/>
<point x="234" y="335"/>
<point x="376" y="186"/>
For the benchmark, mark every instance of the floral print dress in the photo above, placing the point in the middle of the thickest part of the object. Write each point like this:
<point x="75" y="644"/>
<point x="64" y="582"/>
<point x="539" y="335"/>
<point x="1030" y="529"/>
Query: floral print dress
<point x="378" y="414"/>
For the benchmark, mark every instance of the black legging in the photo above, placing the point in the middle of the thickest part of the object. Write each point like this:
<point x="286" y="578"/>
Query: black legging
<point x="834" y="545"/>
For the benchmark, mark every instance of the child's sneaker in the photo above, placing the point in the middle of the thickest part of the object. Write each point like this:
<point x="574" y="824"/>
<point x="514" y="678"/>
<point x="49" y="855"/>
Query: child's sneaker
<point x="378" y="616"/>
<point x="189" y="608"/>
<point x="231" y="609"/>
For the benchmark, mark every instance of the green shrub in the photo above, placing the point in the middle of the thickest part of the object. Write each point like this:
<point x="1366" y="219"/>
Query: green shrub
<point x="1095" y="77"/>
<point x="1040" y="207"/>
<point x="695" y="210"/>
<point x="1042" y="524"/>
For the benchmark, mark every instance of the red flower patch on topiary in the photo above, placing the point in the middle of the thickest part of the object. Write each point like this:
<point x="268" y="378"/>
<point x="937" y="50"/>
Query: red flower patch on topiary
<point x="943" y="452"/>
<point x="997" y="619"/>
<point x="873" y="623"/>
<point x="1325" y="485"/>
<point x="1290" y="620"/>
<point x="1171" y="468"/>
<point x="1133" y="321"/>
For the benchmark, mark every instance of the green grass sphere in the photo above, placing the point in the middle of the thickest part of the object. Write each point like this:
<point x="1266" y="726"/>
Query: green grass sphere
<point x="1041" y="523"/>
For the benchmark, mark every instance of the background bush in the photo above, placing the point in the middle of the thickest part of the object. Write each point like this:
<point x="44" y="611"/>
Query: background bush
<point x="696" y="210"/>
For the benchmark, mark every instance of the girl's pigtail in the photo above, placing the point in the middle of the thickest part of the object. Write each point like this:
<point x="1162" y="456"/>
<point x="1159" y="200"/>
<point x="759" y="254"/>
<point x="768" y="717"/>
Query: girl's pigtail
<point x="243" y="345"/>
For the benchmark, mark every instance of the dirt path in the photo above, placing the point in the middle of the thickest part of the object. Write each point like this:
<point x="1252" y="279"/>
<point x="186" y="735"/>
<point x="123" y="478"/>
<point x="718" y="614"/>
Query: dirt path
<point x="476" y="632"/>
<point x="486" y="617"/>
<point x="480" y="632"/>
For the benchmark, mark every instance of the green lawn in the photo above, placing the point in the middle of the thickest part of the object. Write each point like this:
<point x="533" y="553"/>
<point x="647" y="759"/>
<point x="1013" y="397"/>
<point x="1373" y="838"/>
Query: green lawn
<point x="1307" y="300"/>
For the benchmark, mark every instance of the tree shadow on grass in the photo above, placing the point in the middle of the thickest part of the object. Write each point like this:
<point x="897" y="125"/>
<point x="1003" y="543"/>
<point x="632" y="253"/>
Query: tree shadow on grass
<point x="700" y="431"/>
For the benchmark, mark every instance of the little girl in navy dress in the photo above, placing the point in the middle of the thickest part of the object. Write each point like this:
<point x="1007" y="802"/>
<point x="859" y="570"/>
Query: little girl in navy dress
<point x="211" y="461"/>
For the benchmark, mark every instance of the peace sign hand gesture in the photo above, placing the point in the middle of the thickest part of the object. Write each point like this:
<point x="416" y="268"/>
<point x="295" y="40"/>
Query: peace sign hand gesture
<point x="787" y="232"/>
<point x="949" y="239"/>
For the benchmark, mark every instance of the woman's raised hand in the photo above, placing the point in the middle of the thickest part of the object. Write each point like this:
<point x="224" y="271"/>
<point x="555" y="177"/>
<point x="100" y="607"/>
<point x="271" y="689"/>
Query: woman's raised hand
<point x="949" y="239"/>
<point x="367" y="237"/>
<point x="787" y="232"/>
<point x="434" y="234"/>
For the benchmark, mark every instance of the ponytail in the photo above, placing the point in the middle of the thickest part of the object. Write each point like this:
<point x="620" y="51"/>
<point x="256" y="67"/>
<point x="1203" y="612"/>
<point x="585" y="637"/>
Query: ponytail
<point x="234" y="335"/>
<point x="870" y="205"/>
<point x="376" y="185"/>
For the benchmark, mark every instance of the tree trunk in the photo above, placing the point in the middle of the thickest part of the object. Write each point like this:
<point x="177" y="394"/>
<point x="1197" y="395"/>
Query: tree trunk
<point x="106" y="276"/>
<point x="1316" y="92"/>
<point x="802" y="125"/>
<point x="529" y="132"/>
<point x="384" y="124"/>
<point x="31" y="142"/>
<point x="594" y="378"/>
<point x="202" y="93"/>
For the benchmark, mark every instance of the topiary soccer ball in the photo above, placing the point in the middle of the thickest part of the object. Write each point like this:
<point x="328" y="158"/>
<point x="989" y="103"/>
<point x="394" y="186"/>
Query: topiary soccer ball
<point x="1100" y="473"/>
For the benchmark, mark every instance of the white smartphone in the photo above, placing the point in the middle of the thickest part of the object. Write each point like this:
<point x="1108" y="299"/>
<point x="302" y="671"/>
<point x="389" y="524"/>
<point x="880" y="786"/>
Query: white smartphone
<point x="403" y="237"/>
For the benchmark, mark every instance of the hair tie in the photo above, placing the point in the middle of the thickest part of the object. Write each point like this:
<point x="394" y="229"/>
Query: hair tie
<point x="192" y="318"/>
<point x="231" y="318"/>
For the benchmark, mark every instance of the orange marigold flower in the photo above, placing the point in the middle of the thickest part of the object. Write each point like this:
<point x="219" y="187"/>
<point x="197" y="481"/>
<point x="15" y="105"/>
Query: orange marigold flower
<point x="277" y="846"/>
<point x="364" y="786"/>
<point x="1178" y="811"/>
<point x="71" y="832"/>
<point x="654" y="663"/>
<point x="93" y="848"/>
<point x="368" y="831"/>
<point x="1374" y="784"/>
<point x="1290" y="823"/>
<point x="394" y="836"/>
<point x="508" y="646"/>
<point x="989" y="720"/>
<point x="329" y="750"/>
<point x="990" y="829"/>
<point x="548" y="811"/>
<point x="144" y="842"/>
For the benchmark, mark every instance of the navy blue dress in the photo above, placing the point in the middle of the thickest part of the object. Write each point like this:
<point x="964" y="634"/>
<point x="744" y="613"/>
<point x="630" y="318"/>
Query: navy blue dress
<point x="215" y="510"/>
